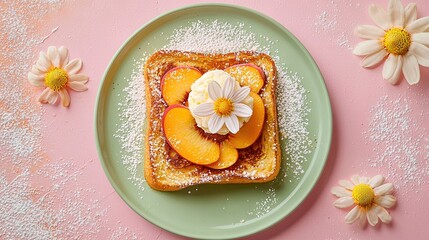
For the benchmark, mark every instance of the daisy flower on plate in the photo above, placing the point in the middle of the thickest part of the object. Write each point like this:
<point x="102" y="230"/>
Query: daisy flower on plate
<point x="226" y="106"/>
<point x="399" y="36"/>
<point x="370" y="198"/>
<point x="54" y="72"/>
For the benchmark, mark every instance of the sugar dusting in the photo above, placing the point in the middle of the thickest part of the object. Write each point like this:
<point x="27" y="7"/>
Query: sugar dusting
<point x="330" y="19"/>
<point x="33" y="202"/>
<point x="132" y="114"/>
<point x="214" y="37"/>
<point x="400" y="143"/>
<point x="221" y="37"/>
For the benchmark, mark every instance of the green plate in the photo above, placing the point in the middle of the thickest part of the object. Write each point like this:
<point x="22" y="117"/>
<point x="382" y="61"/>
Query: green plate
<point x="213" y="211"/>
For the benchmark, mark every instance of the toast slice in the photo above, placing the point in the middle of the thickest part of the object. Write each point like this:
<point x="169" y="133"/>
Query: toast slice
<point x="165" y="169"/>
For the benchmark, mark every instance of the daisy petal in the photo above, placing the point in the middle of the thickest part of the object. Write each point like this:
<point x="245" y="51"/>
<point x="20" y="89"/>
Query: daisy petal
<point x="411" y="69"/>
<point x="52" y="97"/>
<point x="395" y="77"/>
<point x="228" y="88"/>
<point x="35" y="70"/>
<point x="344" y="202"/>
<point x="341" y="192"/>
<point x="422" y="38"/>
<point x="64" y="56"/>
<point x="396" y="13"/>
<point x="204" y="110"/>
<point x="43" y="62"/>
<point x="362" y="219"/>
<point x="54" y="56"/>
<point x="215" y="123"/>
<point x="369" y="32"/>
<point x="379" y="16"/>
<point x="392" y="68"/>
<point x="367" y="47"/>
<point x="78" y="78"/>
<point x="376" y="181"/>
<point x="386" y="188"/>
<point x="73" y="66"/>
<point x="43" y="98"/>
<point x="355" y="179"/>
<point x="36" y="80"/>
<point x="242" y="110"/>
<point x="382" y="214"/>
<point x="372" y="216"/>
<point x="346" y="184"/>
<point x="240" y="94"/>
<point x="421" y="52"/>
<point x="77" y="86"/>
<point x="215" y="90"/>
<point x="420" y="25"/>
<point x="364" y="180"/>
<point x="386" y="201"/>
<point x="353" y="215"/>
<point x="374" y="59"/>
<point x="232" y="124"/>
<point x="410" y="14"/>
<point x="65" y="97"/>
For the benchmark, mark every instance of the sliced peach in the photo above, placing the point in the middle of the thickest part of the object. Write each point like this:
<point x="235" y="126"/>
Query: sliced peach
<point x="248" y="74"/>
<point x="183" y="136"/>
<point x="176" y="84"/>
<point x="228" y="156"/>
<point x="251" y="130"/>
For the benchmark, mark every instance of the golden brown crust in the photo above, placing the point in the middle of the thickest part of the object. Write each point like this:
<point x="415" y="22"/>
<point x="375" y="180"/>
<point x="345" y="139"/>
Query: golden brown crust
<point x="258" y="163"/>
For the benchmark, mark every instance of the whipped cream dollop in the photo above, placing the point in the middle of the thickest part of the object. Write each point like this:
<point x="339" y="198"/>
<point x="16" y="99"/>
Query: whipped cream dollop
<point x="199" y="94"/>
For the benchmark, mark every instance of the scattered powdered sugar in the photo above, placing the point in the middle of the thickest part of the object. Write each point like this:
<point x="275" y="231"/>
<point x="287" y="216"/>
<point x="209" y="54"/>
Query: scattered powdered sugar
<point x="20" y="117"/>
<point x="33" y="201"/>
<point x="132" y="114"/>
<point x="326" y="21"/>
<point x="214" y="37"/>
<point x="293" y="121"/>
<point x="400" y="143"/>
<point x="38" y="212"/>
<point x="331" y="19"/>
<point x="124" y="233"/>
<point x="265" y="205"/>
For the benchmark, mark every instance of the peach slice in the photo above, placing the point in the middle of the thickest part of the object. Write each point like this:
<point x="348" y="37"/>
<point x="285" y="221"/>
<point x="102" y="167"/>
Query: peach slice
<point x="228" y="156"/>
<point x="248" y="74"/>
<point x="182" y="135"/>
<point x="176" y="84"/>
<point x="251" y="130"/>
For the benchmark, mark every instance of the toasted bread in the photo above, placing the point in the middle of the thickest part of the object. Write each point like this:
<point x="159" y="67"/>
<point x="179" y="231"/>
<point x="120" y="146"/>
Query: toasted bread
<point x="164" y="169"/>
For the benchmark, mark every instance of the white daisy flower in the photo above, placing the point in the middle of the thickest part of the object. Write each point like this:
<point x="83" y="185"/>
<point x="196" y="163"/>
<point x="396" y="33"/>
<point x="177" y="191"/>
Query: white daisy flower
<point x="54" y="71"/>
<point x="226" y="106"/>
<point x="400" y="36"/>
<point x="370" y="197"/>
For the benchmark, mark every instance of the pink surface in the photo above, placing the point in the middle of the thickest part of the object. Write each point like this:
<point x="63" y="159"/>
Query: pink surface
<point x="94" y="30"/>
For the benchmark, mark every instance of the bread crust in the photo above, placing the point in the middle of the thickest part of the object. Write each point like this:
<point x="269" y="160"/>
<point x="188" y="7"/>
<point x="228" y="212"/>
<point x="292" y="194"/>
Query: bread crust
<point x="166" y="171"/>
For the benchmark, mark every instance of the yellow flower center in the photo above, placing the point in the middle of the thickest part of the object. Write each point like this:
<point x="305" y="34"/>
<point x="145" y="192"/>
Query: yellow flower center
<point x="363" y="195"/>
<point x="56" y="78"/>
<point x="397" y="41"/>
<point x="223" y="106"/>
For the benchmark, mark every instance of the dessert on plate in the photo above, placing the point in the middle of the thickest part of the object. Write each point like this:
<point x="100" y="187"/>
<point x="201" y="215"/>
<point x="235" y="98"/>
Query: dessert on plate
<point x="211" y="119"/>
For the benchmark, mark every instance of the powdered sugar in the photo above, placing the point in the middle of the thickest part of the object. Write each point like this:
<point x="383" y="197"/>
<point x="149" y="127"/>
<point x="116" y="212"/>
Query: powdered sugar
<point x="400" y="143"/>
<point x="34" y="212"/>
<point x="329" y="20"/>
<point x="33" y="202"/>
<point x="132" y="112"/>
<point x="214" y="37"/>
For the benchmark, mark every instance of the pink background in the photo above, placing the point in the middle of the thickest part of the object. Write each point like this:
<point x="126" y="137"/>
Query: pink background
<point x="94" y="30"/>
